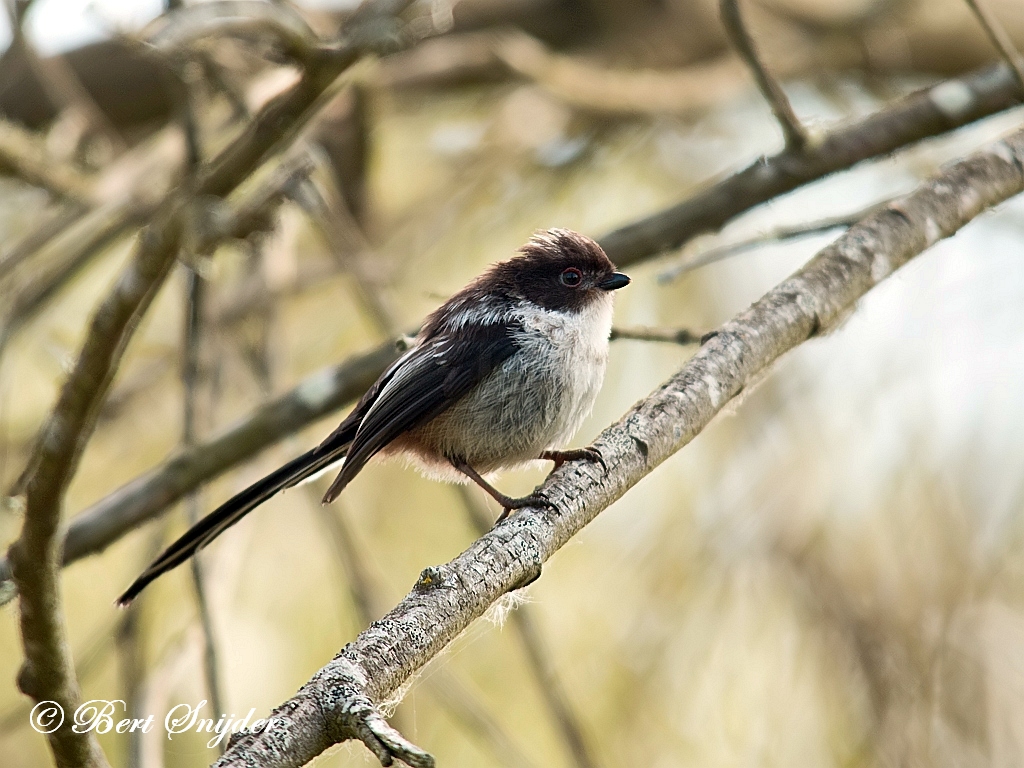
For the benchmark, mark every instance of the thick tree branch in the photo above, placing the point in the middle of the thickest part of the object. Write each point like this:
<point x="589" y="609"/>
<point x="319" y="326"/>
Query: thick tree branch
<point x="339" y="702"/>
<point x="928" y="112"/>
<point x="47" y="672"/>
<point x="467" y="709"/>
<point x="537" y="655"/>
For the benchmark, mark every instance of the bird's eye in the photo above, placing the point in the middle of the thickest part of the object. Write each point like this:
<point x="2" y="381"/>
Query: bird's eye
<point x="571" y="277"/>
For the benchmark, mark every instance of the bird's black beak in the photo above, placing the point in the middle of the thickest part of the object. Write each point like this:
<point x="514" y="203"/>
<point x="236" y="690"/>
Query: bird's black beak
<point x="614" y="281"/>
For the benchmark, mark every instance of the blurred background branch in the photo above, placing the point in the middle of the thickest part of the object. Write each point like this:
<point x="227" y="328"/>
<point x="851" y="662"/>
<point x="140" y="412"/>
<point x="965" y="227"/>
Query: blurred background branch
<point x="794" y="133"/>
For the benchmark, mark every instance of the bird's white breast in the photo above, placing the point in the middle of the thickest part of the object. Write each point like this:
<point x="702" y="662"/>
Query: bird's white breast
<point x="536" y="399"/>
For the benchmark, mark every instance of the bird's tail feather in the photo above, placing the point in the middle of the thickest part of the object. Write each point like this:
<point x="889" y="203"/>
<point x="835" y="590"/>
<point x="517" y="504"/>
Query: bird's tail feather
<point x="230" y="512"/>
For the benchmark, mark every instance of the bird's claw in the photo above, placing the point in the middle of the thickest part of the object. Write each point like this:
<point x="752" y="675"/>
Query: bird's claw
<point x="533" y="500"/>
<point x="590" y="453"/>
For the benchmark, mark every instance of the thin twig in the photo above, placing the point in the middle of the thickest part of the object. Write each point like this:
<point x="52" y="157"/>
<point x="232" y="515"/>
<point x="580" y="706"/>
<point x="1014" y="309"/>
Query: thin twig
<point x="47" y="227"/>
<point x="24" y="155"/>
<point x="682" y="336"/>
<point x="190" y="379"/>
<point x="63" y="256"/>
<point x="347" y="244"/>
<point x="792" y="129"/>
<point x="775" y="235"/>
<point x="997" y="34"/>
<point x="340" y="701"/>
<point x="132" y="669"/>
<point x="247" y="302"/>
<point x="130" y="640"/>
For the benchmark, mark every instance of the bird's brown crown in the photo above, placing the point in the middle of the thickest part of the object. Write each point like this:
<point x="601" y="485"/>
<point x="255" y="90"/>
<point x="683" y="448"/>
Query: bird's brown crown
<point x="557" y="269"/>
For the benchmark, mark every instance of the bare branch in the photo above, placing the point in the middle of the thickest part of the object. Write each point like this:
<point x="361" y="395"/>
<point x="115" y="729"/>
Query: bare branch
<point x="191" y="376"/>
<point x="373" y="28"/>
<point x="682" y="336"/>
<point x="1001" y="40"/>
<point x="793" y="131"/>
<point x="23" y="154"/>
<point x="48" y="227"/>
<point x="459" y="701"/>
<point x="248" y="302"/>
<point x="188" y="24"/>
<point x="583" y="85"/>
<point x="65" y="255"/>
<point x="339" y="702"/>
<point x="774" y="235"/>
<point x="47" y="673"/>
<point x="928" y="112"/>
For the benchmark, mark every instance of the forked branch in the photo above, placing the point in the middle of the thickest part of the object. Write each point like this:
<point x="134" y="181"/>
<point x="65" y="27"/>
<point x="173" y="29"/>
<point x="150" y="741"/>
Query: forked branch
<point x="792" y="129"/>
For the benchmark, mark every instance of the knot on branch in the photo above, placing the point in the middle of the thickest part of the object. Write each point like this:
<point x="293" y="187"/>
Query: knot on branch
<point x="28" y="681"/>
<point x="431" y="577"/>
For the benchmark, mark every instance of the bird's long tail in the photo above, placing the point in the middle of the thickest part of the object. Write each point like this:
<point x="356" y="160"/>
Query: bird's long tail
<point x="233" y="510"/>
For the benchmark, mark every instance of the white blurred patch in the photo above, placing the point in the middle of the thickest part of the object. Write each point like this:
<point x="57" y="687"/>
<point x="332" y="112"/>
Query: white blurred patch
<point x="504" y="605"/>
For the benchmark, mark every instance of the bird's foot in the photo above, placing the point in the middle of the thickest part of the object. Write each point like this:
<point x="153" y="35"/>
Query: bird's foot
<point x="508" y="503"/>
<point x="589" y="453"/>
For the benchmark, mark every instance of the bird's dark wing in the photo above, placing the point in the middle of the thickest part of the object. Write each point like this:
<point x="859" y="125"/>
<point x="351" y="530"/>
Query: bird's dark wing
<point x="428" y="381"/>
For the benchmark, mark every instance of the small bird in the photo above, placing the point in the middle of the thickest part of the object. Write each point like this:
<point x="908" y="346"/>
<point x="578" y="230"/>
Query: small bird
<point x="499" y="375"/>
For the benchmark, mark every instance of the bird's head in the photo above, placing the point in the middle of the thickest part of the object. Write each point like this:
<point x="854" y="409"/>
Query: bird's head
<point x="558" y="269"/>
